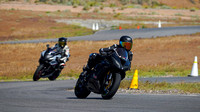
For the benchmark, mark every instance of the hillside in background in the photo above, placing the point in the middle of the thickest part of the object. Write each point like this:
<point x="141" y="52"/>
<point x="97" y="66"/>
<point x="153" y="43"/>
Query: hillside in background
<point x="164" y="4"/>
<point x="181" y="3"/>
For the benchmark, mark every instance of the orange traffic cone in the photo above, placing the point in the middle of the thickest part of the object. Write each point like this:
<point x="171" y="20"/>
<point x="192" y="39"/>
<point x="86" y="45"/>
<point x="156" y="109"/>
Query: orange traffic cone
<point x="138" y="27"/>
<point x="134" y="82"/>
<point x="120" y="27"/>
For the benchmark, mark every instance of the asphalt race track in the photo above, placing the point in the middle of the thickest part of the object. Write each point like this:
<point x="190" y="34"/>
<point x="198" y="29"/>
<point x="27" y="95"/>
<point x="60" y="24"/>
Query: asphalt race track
<point x="116" y="34"/>
<point x="58" y="96"/>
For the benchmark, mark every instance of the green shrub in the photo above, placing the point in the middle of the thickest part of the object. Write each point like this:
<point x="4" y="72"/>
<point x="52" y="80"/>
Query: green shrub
<point x="96" y="10"/>
<point x="124" y="2"/>
<point x="12" y="9"/>
<point x="79" y="14"/>
<point x="122" y="8"/>
<point x="101" y="7"/>
<point x="165" y="7"/>
<point x="86" y="7"/>
<point x="75" y="6"/>
<point x="178" y="14"/>
<point x="112" y="5"/>
<point x="47" y="12"/>
<point x="193" y="9"/>
<point x="117" y="15"/>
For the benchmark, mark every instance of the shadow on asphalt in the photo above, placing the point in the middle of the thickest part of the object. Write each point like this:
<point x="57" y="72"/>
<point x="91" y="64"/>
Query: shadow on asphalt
<point x="99" y="98"/>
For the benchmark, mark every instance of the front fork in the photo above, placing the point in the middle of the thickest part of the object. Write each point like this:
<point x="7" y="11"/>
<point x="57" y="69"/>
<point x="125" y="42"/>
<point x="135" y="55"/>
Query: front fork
<point x="83" y="76"/>
<point x="107" y="82"/>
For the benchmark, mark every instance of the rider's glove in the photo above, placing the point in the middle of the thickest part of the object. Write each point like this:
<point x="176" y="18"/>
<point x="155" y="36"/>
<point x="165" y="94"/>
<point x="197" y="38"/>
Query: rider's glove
<point x="103" y="53"/>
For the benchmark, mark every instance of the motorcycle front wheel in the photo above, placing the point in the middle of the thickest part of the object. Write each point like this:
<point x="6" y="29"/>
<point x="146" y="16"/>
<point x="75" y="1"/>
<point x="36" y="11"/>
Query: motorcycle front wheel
<point x="80" y="90"/>
<point x="111" y="85"/>
<point x="54" y="76"/>
<point x="38" y="73"/>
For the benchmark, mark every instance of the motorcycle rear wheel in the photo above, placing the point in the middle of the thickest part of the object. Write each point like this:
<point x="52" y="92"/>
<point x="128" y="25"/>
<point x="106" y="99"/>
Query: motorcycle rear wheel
<point x="113" y="87"/>
<point x="38" y="73"/>
<point x="80" y="90"/>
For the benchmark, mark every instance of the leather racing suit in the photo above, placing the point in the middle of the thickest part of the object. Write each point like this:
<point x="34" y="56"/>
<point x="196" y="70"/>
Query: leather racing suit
<point x="64" y="52"/>
<point x="94" y="58"/>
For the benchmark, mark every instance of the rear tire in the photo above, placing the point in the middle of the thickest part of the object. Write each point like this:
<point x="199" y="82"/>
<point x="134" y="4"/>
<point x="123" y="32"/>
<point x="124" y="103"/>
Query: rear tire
<point x="54" y="76"/>
<point x="80" y="90"/>
<point x="116" y="79"/>
<point x="38" y="73"/>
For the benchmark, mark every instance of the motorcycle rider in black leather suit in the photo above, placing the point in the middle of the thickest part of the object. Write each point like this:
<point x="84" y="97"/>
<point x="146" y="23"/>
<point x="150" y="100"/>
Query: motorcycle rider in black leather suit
<point x="94" y="58"/>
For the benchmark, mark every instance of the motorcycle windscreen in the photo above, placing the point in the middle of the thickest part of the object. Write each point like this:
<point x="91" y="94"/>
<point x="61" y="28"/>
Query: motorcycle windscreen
<point x="124" y="56"/>
<point x="122" y="53"/>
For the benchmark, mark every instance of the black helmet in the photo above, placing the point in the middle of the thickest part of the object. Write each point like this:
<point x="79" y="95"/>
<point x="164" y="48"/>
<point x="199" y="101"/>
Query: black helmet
<point x="62" y="41"/>
<point x="126" y="42"/>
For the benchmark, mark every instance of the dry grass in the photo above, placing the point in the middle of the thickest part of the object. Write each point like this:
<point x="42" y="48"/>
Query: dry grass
<point x="177" y="50"/>
<point x="171" y="54"/>
<point x="163" y="87"/>
<point x="20" y="25"/>
<point x="181" y="3"/>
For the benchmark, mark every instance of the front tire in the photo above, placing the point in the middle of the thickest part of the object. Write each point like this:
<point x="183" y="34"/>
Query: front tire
<point x="54" y="76"/>
<point x="38" y="73"/>
<point x="80" y="90"/>
<point x="112" y="89"/>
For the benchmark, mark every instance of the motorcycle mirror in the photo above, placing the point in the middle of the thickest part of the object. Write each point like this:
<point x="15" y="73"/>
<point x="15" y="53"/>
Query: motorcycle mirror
<point x="47" y="45"/>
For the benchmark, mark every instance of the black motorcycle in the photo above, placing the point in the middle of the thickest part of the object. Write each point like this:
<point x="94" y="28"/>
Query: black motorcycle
<point x="112" y="69"/>
<point x="48" y="65"/>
